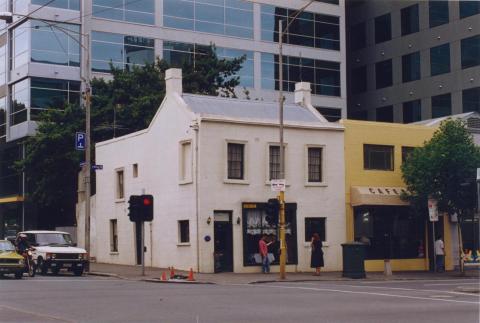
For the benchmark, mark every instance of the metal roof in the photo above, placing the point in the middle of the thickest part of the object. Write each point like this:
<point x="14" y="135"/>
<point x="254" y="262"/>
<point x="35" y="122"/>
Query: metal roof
<point x="437" y="121"/>
<point x="246" y="109"/>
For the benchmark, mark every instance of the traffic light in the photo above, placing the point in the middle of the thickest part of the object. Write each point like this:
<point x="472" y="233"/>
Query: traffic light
<point x="272" y="208"/>
<point x="140" y="208"/>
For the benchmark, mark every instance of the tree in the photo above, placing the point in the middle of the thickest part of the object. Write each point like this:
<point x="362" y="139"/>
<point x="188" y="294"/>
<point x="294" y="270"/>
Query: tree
<point x="444" y="169"/>
<point x="125" y="104"/>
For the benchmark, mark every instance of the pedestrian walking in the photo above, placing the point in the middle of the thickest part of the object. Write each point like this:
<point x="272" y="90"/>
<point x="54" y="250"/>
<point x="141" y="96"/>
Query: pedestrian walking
<point x="263" y="249"/>
<point x="316" y="260"/>
<point x="440" y="254"/>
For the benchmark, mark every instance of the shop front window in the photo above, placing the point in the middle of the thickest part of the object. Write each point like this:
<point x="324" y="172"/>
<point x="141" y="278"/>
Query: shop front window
<point x="390" y="232"/>
<point x="258" y="224"/>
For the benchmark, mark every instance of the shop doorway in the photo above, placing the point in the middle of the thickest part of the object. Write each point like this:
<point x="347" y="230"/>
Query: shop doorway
<point x="138" y="242"/>
<point x="223" y="241"/>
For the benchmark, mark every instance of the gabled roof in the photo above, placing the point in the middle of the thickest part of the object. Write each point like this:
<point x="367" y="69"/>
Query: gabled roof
<point x="210" y="106"/>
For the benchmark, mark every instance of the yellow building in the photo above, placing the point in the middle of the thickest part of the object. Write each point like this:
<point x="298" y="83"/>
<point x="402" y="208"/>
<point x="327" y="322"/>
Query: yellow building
<point x="375" y="213"/>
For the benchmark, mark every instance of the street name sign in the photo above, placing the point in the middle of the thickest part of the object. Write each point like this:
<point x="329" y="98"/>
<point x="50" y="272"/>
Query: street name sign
<point x="278" y="185"/>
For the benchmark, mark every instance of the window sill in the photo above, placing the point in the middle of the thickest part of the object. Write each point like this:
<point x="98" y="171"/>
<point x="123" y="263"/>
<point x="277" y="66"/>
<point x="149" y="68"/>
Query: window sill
<point x="236" y="181"/>
<point x="186" y="181"/>
<point x="316" y="184"/>
<point x="183" y="244"/>
<point x="114" y="253"/>
<point x="122" y="200"/>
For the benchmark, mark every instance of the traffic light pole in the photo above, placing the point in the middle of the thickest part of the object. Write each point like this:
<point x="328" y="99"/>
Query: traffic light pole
<point x="143" y="247"/>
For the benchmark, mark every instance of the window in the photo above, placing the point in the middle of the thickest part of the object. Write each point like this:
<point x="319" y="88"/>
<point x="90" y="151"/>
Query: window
<point x="3" y="120"/>
<point x="184" y="231"/>
<point x="308" y="29"/>
<point x="113" y="236"/>
<point x="323" y="75"/>
<point x="235" y="161"/>
<point x="120" y="50"/>
<point x="224" y="17"/>
<point x="411" y="67"/>
<point x="383" y="29"/>
<point x="178" y="54"/>
<point x="315" y="164"/>
<point x="120" y="185"/>
<point x="469" y="8"/>
<point x="20" y="101"/>
<point x="273" y="162"/>
<point x="409" y="17"/>
<point x="383" y="74"/>
<point x="440" y="59"/>
<point x="331" y="114"/>
<point x="441" y="105"/>
<point x="3" y="64"/>
<point x="378" y="157"/>
<point x="63" y="4"/>
<point x="438" y="13"/>
<point x="470" y="99"/>
<point x="412" y="111"/>
<point x="390" y="232"/>
<point x="20" y="41"/>
<point x="59" y="45"/>
<point x="406" y="152"/>
<point x="186" y="161"/>
<point x="315" y="225"/>
<point x="358" y="115"/>
<point x="358" y="36"/>
<point x="359" y="79"/>
<point x="139" y="11"/>
<point x="135" y="170"/>
<point x="385" y="114"/>
<point x="470" y="51"/>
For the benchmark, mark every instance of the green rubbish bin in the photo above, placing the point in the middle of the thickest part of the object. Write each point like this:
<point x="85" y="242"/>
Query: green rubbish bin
<point x="353" y="260"/>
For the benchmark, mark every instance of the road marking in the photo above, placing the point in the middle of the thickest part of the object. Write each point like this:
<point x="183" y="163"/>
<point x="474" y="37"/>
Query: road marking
<point x="401" y="288"/>
<point x="364" y="293"/>
<point x="36" y="314"/>
<point x="441" y="296"/>
<point x="419" y="281"/>
<point x="447" y="284"/>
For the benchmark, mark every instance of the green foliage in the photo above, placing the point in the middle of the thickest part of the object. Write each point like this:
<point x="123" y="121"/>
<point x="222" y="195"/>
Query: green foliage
<point x="444" y="169"/>
<point x="124" y="104"/>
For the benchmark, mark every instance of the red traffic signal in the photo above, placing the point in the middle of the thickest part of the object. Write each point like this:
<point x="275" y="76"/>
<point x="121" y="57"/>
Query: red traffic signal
<point x="147" y="201"/>
<point x="140" y="208"/>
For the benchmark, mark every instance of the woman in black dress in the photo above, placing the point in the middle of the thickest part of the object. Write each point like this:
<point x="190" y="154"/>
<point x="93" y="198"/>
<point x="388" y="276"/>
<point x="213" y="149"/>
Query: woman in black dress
<point x="317" y="254"/>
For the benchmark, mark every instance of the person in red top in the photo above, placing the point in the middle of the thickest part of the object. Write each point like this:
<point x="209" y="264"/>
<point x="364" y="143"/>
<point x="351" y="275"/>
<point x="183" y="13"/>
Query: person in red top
<point x="263" y="249"/>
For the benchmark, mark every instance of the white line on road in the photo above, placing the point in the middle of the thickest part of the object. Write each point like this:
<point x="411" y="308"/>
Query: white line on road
<point x="67" y="280"/>
<point x="37" y="314"/>
<point x="448" y="284"/>
<point x="364" y="293"/>
<point x="418" y="281"/>
<point x="402" y="288"/>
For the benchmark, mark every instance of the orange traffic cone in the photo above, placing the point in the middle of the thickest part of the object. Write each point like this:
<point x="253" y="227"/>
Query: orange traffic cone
<point x="164" y="276"/>
<point x="172" y="272"/>
<point x="190" y="276"/>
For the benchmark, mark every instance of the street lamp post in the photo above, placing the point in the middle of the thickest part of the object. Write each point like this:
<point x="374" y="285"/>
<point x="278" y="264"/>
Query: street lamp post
<point x="281" y="196"/>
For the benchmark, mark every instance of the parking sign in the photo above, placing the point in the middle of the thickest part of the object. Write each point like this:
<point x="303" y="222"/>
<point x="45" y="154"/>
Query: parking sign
<point x="80" y="140"/>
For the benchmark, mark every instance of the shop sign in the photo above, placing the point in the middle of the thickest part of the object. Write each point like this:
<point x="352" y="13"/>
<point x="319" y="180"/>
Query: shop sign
<point x="432" y="210"/>
<point x="386" y="190"/>
<point x="278" y="185"/>
<point x="249" y="206"/>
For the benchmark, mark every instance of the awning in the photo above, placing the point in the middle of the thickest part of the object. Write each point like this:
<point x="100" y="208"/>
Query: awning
<point x="11" y="199"/>
<point x="376" y="195"/>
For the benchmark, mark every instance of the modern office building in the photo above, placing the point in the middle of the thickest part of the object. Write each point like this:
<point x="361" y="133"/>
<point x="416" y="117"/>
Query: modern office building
<point x="42" y="61"/>
<point x="412" y="60"/>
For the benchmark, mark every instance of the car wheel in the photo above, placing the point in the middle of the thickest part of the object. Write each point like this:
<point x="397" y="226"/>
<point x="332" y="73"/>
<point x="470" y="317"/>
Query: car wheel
<point x="32" y="269"/>
<point x="19" y="275"/>
<point x="78" y="272"/>
<point x="55" y="271"/>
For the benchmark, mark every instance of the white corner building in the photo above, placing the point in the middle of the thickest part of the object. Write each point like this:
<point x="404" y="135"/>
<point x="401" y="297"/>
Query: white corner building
<point x="208" y="162"/>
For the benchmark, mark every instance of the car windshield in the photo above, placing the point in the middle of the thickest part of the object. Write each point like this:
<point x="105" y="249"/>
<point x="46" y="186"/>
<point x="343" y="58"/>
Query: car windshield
<point x="53" y="239"/>
<point x="6" y="246"/>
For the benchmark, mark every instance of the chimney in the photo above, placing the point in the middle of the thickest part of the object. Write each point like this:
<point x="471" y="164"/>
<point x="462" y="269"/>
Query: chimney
<point x="303" y="95"/>
<point x="173" y="80"/>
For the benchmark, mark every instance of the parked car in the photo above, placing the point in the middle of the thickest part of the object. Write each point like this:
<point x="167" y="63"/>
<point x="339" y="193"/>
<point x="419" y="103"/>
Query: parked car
<point x="10" y="261"/>
<point x="54" y="250"/>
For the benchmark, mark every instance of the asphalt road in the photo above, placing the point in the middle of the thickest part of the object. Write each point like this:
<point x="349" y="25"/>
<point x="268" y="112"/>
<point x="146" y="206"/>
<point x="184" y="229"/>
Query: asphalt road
<point x="95" y="299"/>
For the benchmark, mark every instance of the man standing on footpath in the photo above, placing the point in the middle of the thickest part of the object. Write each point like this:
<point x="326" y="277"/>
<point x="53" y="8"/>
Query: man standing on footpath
<point x="439" y="254"/>
<point x="263" y="249"/>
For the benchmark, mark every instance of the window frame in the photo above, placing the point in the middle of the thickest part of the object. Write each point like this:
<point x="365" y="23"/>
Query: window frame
<point x="465" y="63"/>
<point x="244" y="179"/>
<point x="440" y="97"/>
<point x="322" y="181"/>
<point x="135" y="170"/>
<point x="383" y="84"/>
<point x="113" y="224"/>
<point x="434" y="7"/>
<point x="323" y="235"/>
<point x="406" y="18"/>
<point x="181" y="241"/>
<point x="377" y="20"/>
<point x="185" y="173"/>
<point x="411" y="67"/>
<point x="365" y="161"/>
<point x="436" y="52"/>
<point x="119" y="184"/>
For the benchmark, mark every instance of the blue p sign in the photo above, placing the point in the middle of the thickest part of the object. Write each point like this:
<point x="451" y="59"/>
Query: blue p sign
<point x="80" y="141"/>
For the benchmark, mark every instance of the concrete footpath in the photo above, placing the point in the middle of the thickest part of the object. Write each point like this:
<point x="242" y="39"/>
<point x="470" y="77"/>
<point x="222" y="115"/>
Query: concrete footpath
<point x="155" y="274"/>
